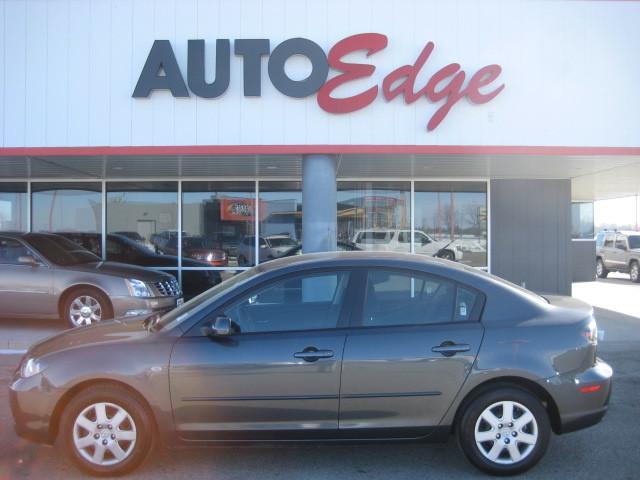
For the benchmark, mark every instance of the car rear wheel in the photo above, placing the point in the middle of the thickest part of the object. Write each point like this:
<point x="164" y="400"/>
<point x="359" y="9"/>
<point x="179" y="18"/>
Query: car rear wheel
<point x="86" y="306"/>
<point x="505" y="431"/>
<point x="634" y="272"/>
<point x="106" y="431"/>
<point x="601" y="271"/>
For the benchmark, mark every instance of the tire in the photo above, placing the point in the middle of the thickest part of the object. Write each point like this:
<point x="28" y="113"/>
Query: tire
<point x="86" y="306"/>
<point x="634" y="272"/>
<point x="497" y="455"/>
<point x="601" y="271"/>
<point x="447" y="255"/>
<point x="133" y="435"/>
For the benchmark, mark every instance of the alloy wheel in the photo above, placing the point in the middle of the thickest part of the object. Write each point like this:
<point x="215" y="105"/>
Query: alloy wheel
<point x="599" y="268"/>
<point x="85" y="310"/>
<point x="635" y="272"/>
<point x="104" y="434"/>
<point x="506" y="432"/>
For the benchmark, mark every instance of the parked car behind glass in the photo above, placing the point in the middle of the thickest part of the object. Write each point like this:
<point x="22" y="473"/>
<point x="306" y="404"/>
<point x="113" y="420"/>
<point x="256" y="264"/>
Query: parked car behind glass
<point x="125" y="250"/>
<point x="390" y="240"/>
<point x="46" y="275"/>
<point x="198" y="248"/>
<point x="343" y="346"/>
<point x="269" y="248"/>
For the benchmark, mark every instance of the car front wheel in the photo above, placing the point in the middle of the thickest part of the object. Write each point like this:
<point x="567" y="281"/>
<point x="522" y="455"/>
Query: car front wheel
<point x="86" y="306"/>
<point x="505" y="431"/>
<point x="106" y="431"/>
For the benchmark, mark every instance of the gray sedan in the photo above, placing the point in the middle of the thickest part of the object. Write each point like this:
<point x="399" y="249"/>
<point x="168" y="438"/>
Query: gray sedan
<point x="349" y="346"/>
<point x="44" y="275"/>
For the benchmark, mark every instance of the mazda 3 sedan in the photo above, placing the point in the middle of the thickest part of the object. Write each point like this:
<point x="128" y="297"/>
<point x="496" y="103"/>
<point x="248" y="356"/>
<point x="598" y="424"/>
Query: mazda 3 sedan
<point x="347" y="346"/>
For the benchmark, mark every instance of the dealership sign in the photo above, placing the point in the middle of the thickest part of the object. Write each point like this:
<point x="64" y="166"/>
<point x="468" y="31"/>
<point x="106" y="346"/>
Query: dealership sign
<point x="446" y="87"/>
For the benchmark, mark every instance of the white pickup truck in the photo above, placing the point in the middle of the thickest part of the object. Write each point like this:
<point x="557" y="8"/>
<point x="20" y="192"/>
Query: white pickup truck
<point x="392" y="240"/>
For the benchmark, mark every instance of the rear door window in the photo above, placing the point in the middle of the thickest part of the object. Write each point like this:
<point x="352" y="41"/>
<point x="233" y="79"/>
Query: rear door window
<point x="621" y="242"/>
<point x="412" y="298"/>
<point x="11" y="250"/>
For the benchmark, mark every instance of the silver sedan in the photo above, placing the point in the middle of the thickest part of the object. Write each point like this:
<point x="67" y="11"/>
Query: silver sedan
<point x="44" y="275"/>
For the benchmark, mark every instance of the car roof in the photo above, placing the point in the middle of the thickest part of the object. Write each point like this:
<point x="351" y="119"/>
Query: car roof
<point x="355" y="257"/>
<point x="27" y="234"/>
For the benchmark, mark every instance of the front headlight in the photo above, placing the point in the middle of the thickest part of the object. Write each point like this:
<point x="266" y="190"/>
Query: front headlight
<point x="30" y="368"/>
<point x="137" y="288"/>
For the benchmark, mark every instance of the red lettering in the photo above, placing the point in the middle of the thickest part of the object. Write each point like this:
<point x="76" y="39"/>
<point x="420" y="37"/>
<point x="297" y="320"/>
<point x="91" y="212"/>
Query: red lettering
<point x="453" y="92"/>
<point x="409" y="73"/>
<point x="372" y="43"/>
<point x="482" y="78"/>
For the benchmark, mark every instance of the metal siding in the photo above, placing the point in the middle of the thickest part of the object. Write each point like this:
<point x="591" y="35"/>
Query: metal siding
<point x="583" y="255"/>
<point x="530" y="233"/>
<point x="554" y="96"/>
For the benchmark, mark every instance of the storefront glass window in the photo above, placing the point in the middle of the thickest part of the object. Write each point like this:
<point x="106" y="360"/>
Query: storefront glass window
<point x="13" y="206"/>
<point x="374" y="216"/>
<point x="67" y="208"/>
<point x="142" y="219"/>
<point x="451" y="221"/>
<point x="280" y="223"/>
<point x="582" y="220"/>
<point x="217" y="217"/>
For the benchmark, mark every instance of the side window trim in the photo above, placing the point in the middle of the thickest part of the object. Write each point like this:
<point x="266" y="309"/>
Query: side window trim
<point x="343" y="317"/>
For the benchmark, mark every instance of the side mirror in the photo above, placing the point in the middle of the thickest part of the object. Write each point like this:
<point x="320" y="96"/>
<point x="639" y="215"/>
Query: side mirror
<point x="27" y="260"/>
<point x="220" y="327"/>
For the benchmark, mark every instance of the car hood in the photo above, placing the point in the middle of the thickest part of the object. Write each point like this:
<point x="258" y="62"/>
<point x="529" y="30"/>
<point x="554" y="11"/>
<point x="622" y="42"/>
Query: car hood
<point x="123" y="270"/>
<point x="105" y="332"/>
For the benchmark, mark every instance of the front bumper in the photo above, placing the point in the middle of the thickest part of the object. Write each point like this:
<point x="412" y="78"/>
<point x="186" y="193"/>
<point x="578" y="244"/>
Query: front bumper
<point x="31" y="403"/>
<point x="581" y="409"/>
<point x="134" y="306"/>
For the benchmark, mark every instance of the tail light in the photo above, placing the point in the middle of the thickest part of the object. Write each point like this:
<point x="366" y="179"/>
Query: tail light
<point x="591" y="332"/>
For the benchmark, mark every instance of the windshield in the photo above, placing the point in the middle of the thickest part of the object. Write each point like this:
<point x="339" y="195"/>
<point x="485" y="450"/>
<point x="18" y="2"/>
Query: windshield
<point x="282" y="242"/>
<point x="634" y="241"/>
<point x="61" y="251"/>
<point x="178" y="315"/>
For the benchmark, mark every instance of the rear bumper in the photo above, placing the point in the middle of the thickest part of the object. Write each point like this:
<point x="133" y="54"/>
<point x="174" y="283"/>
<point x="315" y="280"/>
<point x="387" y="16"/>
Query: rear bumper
<point x="581" y="409"/>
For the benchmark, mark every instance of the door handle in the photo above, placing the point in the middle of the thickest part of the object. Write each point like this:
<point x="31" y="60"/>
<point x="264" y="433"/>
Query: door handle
<point x="449" y="349"/>
<point x="312" y="354"/>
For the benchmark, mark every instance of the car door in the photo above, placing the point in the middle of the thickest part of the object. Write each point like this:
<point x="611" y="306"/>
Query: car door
<point x="410" y="348"/>
<point x="278" y="376"/>
<point x="26" y="290"/>
<point x="622" y="252"/>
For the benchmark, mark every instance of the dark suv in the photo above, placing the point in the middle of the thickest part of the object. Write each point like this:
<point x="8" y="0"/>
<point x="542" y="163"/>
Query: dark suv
<point x="618" y="251"/>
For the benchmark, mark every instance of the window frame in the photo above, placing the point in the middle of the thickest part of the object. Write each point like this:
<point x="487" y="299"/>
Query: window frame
<point x="360" y="293"/>
<point x="344" y="317"/>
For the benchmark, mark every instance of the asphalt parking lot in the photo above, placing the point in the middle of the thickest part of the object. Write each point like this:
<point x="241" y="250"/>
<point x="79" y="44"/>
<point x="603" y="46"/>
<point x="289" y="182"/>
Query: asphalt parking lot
<point x="608" y="450"/>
